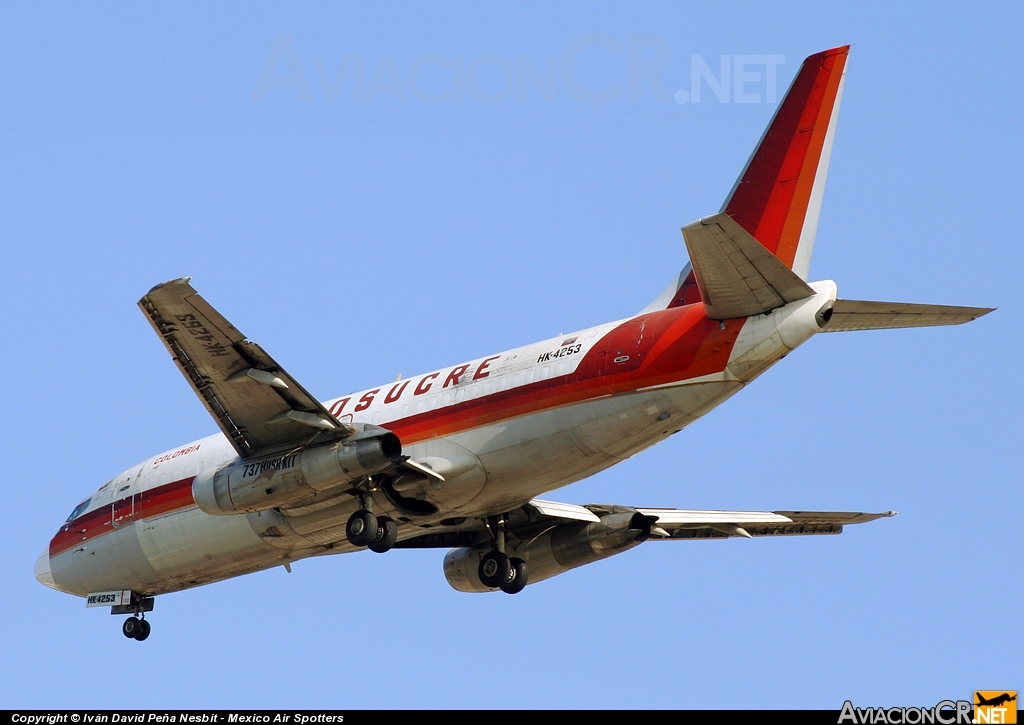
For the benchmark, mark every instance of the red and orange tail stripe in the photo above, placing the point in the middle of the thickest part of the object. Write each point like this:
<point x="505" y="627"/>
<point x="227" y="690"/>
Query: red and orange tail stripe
<point x="771" y="198"/>
<point x="773" y="193"/>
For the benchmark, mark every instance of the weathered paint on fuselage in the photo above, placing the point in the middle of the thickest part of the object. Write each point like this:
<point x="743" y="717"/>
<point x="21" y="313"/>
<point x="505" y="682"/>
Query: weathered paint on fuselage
<point x="534" y="418"/>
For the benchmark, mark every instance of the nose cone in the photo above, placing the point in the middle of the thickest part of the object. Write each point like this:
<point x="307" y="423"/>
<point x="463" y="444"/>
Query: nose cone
<point x="42" y="569"/>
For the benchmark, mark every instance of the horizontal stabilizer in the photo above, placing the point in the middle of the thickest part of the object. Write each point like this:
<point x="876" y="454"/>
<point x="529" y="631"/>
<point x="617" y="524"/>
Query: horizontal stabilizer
<point x="736" y="275"/>
<point x="848" y="315"/>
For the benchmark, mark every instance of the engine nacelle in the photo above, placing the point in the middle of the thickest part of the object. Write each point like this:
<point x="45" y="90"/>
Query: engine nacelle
<point x="558" y="550"/>
<point x="248" y="485"/>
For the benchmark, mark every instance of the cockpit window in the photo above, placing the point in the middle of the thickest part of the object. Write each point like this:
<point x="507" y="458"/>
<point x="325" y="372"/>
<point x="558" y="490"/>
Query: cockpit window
<point x="79" y="509"/>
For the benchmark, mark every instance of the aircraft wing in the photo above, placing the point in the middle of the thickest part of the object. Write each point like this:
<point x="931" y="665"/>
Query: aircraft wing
<point x="685" y="524"/>
<point x="538" y="516"/>
<point x="668" y="523"/>
<point x="257" y="404"/>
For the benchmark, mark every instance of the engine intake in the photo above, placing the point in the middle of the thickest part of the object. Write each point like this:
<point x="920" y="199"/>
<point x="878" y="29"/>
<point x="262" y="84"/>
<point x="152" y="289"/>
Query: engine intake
<point x="247" y="485"/>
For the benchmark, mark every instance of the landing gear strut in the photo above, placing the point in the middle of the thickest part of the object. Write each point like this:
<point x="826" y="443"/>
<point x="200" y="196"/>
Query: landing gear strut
<point x="136" y="627"/>
<point x="377" y="533"/>
<point x="499" y="571"/>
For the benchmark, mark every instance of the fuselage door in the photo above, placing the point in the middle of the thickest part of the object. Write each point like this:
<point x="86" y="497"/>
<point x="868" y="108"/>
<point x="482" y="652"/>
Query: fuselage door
<point x="125" y="490"/>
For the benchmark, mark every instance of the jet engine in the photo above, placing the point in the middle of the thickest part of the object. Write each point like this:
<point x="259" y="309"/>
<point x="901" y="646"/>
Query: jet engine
<point x="555" y="550"/>
<point x="247" y="485"/>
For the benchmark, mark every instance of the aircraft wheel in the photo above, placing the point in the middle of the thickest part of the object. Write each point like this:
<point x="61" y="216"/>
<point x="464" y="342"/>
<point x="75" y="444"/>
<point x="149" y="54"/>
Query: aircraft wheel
<point x="387" y="535"/>
<point x="144" y="629"/>
<point x="361" y="528"/>
<point x="494" y="569"/>
<point x="131" y="627"/>
<point x="519" y="577"/>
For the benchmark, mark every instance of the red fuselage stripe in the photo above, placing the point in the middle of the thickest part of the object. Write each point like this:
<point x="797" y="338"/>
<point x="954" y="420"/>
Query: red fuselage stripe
<point x="677" y="344"/>
<point x="152" y="502"/>
<point x="662" y="347"/>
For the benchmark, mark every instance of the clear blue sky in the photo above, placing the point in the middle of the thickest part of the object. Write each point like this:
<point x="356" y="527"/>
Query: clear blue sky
<point x="441" y="212"/>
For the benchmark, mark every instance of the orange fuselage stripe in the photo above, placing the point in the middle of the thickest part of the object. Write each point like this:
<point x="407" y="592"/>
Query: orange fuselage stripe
<point x="677" y="344"/>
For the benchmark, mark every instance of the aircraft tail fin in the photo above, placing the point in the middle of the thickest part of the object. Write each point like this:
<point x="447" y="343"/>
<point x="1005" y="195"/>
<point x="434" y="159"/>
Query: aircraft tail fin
<point x="777" y="197"/>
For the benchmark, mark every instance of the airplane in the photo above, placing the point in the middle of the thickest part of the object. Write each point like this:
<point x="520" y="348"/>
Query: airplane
<point x="995" y="701"/>
<point x="456" y="458"/>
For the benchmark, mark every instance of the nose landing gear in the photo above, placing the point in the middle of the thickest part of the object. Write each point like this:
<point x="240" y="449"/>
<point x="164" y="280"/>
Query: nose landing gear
<point x="136" y="627"/>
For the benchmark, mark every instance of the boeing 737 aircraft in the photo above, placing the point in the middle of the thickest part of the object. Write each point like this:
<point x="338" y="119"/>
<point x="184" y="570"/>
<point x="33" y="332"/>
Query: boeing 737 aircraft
<point x="455" y="458"/>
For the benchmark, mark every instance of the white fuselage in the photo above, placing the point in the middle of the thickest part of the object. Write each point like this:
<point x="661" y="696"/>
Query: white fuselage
<point x="509" y="427"/>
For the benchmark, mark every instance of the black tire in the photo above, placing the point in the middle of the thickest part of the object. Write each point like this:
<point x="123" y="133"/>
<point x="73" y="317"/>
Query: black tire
<point x="130" y="628"/>
<point x="519" y="577"/>
<point x="361" y="528"/>
<point x="387" y="535"/>
<point x="143" y="630"/>
<point x="494" y="569"/>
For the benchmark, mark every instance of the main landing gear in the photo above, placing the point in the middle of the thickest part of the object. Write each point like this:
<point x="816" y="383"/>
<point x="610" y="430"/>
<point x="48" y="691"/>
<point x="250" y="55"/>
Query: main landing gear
<point x="136" y="627"/>
<point x="377" y="533"/>
<point x="499" y="571"/>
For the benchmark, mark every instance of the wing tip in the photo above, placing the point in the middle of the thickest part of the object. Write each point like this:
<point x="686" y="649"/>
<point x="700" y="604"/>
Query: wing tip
<point x="978" y="313"/>
<point x="170" y="282"/>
